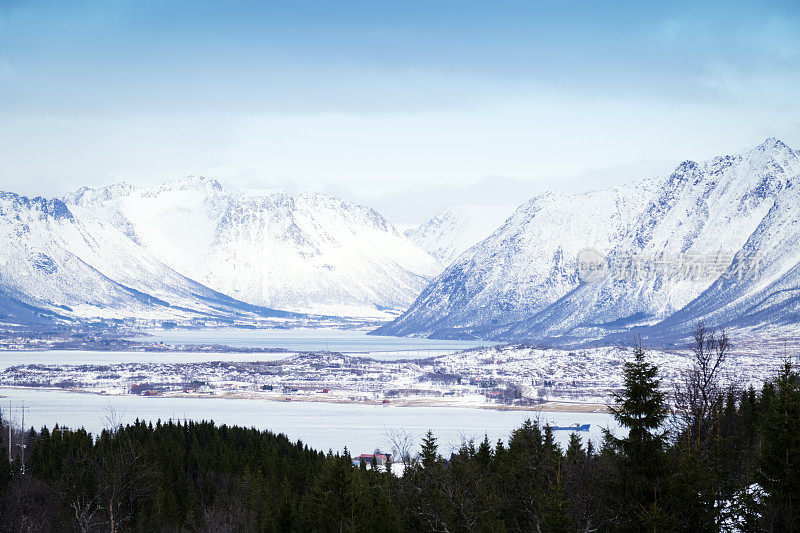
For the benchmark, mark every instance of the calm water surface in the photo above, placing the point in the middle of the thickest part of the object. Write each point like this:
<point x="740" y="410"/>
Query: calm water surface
<point x="361" y="428"/>
<point x="316" y="339"/>
<point x="82" y="357"/>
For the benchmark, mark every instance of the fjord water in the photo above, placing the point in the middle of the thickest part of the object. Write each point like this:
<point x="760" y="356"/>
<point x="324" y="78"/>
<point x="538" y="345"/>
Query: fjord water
<point x="360" y="428"/>
<point x="89" y="357"/>
<point x="349" y="341"/>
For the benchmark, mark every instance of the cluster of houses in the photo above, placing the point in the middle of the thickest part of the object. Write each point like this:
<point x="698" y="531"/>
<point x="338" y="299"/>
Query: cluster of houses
<point x="368" y="459"/>
<point x="149" y="389"/>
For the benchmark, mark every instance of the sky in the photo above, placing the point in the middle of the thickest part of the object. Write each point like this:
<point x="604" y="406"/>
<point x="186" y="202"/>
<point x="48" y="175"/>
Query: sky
<point x="406" y="106"/>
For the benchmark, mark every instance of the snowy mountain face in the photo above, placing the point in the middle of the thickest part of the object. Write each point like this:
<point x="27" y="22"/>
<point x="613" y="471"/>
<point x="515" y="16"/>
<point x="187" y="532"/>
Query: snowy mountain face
<point x="452" y="232"/>
<point x="309" y="253"/>
<point x="762" y="284"/>
<point x="673" y="251"/>
<point x="55" y="264"/>
<point x="718" y="241"/>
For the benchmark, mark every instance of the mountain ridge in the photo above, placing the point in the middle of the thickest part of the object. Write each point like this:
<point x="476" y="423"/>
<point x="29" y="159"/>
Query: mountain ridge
<point x="456" y="229"/>
<point x="304" y="253"/>
<point x="714" y="208"/>
<point x="58" y="266"/>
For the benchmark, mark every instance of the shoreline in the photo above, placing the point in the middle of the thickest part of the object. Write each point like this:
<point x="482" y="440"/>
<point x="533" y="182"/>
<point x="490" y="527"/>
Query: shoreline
<point x="554" y="406"/>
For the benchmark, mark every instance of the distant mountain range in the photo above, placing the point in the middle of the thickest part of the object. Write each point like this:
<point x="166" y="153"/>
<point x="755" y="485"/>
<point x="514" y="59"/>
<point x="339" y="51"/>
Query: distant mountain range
<point x="457" y="229"/>
<point x="56" y="265"/>
<point x="191" y="249"/>
<point x="717" y="241"/>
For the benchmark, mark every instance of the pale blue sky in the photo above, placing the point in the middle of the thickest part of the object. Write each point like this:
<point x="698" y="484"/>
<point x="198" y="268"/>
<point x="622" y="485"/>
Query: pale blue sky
<point x="389" y="103"/>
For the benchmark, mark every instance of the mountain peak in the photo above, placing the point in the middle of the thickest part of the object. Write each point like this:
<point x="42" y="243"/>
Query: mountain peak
<point x="774" y="145"/>
<point x="456" y="229"/>
<point x="52" y="207"/>
<point x="190" y="182"/>
<point x="523" y="280"/>
<point x="87" y="195"/>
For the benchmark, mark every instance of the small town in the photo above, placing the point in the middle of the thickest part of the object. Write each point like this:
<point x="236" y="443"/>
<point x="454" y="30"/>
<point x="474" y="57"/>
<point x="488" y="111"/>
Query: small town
<point x="510" y="376"/>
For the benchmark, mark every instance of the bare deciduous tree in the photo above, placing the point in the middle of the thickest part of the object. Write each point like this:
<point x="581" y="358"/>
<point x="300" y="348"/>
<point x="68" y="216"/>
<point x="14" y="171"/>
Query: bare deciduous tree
<point x="401" y="442"/>
<point x="701" y="390"/>
<point x="85" y="510"/>
<point x="112" y="418"/>
<point x="122" y="481"/>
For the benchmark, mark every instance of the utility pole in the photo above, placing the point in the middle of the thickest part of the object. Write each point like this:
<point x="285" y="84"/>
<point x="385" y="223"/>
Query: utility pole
<point x="23" y="436"/>
<point x="9" y="431"/>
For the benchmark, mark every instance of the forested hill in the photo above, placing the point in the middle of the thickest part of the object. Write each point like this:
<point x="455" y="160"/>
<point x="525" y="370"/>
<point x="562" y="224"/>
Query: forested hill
<point x="728" y="461"/>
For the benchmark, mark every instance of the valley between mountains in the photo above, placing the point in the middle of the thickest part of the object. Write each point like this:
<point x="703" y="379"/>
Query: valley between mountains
<point x="715" y="242"/>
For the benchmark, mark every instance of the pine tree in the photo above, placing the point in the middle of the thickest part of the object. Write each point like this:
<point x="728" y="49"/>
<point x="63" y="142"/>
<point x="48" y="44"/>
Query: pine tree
<point x="575" y="450"/>
<point x="430" y="451"/>
<point x="779" y="466"/>
<point x="388" y="465"/>
<point x="556" y="517"/>
<point x="641" y="409"/>
<point x="484" y="454"/>
<point x="427" y="480"/>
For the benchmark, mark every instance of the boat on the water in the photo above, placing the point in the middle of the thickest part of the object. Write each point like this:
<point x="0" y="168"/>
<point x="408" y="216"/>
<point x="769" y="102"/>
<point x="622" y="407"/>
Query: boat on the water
<point x="573" y="427"/>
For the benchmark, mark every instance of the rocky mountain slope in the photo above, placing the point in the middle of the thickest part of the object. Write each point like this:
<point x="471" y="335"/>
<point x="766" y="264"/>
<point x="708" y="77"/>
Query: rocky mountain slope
<point x="306" y="253"/>
<point x="55" y="264"/>
<point x="716" y="240"/>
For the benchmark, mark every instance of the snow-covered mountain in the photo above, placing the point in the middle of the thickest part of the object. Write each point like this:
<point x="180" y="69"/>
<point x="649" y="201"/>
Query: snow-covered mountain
<point x="307" y="253"/>
<point x="674" y="247"/>
<point x="457" y="229"/>
<point x="718" y="240"/>
<point x="762" y="284"/>
<point x="56" y="264"/>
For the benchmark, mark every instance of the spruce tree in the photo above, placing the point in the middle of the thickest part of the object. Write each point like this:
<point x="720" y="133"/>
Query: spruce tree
<point x="430" y="451"/>
<point x="575" y="450"/>
<point x="426" y="481"/>
<point x="641" y="409"/>
<point x="779" y="465"/>
<point x="484" y="454"/>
